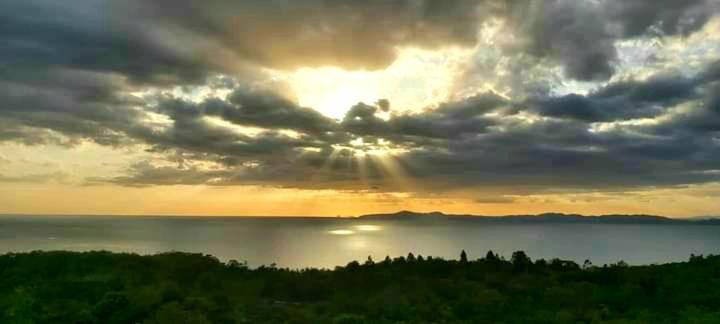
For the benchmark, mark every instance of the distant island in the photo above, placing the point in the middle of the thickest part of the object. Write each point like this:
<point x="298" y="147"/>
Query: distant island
<point x="543" y="218"/>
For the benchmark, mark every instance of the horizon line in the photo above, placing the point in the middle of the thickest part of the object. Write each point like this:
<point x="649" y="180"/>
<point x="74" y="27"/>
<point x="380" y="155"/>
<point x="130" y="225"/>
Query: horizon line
<point x="344" y="216"/>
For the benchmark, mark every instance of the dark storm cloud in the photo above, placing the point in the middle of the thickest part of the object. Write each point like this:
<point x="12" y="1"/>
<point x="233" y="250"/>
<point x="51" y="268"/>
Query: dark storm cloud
<point x="191" y="131"/>
<point x="571" y="32"/>
<point x="58" y="110"/>
<point x="66" y="69"/>
<point x="623" y="100"/>
<point x="711" y="73"/>
<point x="72" y="104"/>
<point x="703" y="121"/>
<point x="482" y="142"/>
<point x="269" y="110"/>
<point x="552" y="155"/>
<point x="452" y="120"/>
<point x="448" y="121"/>
<point x="560" y="156"/>
<point x="277" y="159"/>
<point x="670" y="17"/>
<point x="504" y="150"/>
<point x="183" y="41"/>
<point x="345" y="33"/>
<point x="92" y="36"/>
<point x="581" y="35"/>
<point x="63" y="65"/>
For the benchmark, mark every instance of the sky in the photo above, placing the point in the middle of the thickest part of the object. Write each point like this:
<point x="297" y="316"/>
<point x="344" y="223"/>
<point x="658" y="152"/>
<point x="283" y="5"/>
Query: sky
<point x="344" y="107"/>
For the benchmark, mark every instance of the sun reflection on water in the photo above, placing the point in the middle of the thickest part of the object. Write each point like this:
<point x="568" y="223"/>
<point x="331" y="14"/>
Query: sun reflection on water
<point x="368" y="228"/>
<point x="342" y="232"/>
<point x="357" y="243"/>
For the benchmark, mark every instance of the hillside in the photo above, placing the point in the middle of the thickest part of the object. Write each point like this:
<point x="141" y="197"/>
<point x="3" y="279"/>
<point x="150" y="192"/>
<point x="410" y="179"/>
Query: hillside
<point x="544" y="218"/>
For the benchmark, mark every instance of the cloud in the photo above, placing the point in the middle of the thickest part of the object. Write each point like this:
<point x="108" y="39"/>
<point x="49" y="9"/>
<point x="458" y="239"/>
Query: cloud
<point x="176" y="42"/>
<point x="449" y="120"/>
<point x="82" y="71"/>
<point x="702" y="121"/>
<point x="345" y="33"/>
<point x="84" y="36"/>
<point x="170" y="42"/>
<point x="35" y="178"/>
<point x="495" y="200"/>
<point x="484" y="141"/>
<point x="45" y="106"/>
<point x="570" y="32"/>
<point x="581" y="36"/>
<point x="623" y="100"/>
<point x="191" y="131"/>
<point x="146" y="174"/>
<point x="665" y="16"/>
<point x="268" y="110"/>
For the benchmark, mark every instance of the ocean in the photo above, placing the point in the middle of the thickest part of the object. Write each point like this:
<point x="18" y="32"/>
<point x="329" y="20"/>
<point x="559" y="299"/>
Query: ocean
<point x="328" y="242"/>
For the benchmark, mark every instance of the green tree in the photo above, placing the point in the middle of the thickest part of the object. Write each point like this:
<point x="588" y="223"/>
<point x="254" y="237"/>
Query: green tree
<point x="173" y="313"/>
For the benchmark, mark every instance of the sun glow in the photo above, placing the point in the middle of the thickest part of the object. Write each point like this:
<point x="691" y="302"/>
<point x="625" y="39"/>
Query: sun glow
<point x="341" y="232"/>
<point x="380" y="148"/>
<point x="332" y="91"/>
<point x="417" y="79"/>
<point x="368" y="228"/>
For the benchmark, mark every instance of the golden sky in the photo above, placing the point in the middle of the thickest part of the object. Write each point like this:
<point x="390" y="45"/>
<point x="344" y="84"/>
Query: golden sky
<point x="323" y="108"/>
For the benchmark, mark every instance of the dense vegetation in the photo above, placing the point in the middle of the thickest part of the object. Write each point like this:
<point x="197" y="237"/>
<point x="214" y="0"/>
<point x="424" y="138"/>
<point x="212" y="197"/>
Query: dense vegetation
<point x="102" y="287"/>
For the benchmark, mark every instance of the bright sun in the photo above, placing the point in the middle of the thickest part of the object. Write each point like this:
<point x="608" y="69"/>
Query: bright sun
<point x="333" y="91"/>
<point x="417" y="79"/>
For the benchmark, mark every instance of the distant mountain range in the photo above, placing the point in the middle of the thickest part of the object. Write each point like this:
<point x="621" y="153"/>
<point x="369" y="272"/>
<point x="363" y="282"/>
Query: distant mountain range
<point x="544" y="218"/>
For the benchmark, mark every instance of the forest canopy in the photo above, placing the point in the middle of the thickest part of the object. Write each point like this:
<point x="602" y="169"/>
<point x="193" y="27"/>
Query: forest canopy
<point x="104" y="287"/>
